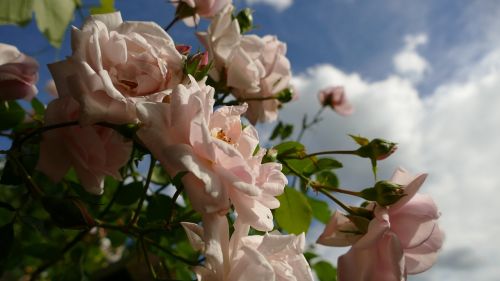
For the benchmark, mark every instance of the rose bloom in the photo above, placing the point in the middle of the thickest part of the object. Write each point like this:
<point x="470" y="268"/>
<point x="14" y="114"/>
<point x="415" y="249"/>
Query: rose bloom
<point x="18" y="74"/>
<point x="186" y="134"/>
<point x="401" y="239"/>
<point x="114" y="65"/>
<point x="254" y="67"/>
<point x="202" y="8"/>
<point x="270" y="257"/>
<point x="93" y="151"/>
<point x="335" y="98"/>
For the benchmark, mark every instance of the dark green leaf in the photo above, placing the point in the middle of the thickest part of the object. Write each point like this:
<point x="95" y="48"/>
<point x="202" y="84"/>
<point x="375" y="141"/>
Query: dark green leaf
<point x="320" y="209"/>
<point x="11" y="114"/>
<point x="53" y="17"/>
<point x="10" y="174"/>
<point x="68" y="212"/>
<point x="16" y="11"/>
<point x="7" y="206"/>
<point x="6" y="242"/>
<point x="129" y="194"/>
<point x="159" y="207"/>
<point x="294" y="214"/>
<point x="41" y="250"/>
<point x="309" y="256"/>
<point x="325" y="271"/>
<point x="298" y="165"/>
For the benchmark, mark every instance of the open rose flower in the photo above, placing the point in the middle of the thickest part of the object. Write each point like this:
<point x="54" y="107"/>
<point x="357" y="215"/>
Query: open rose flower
<point x="401" y="239"/>
<point x="255" y="68"/>
<point x="191" y="10"/>
<point x="270" y="257"/>
<point x="335" y="98"/>
<point x="114" y="65"/>
<point x="93" y="151"/>
<point x="186" y="134"/>
<point x="18" y="74"/>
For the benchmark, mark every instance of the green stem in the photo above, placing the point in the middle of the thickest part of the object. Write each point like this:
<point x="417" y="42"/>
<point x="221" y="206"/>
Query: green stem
<point x="176" y="19"/>
<point x="30" y="183"/>
<point x="337" y="201"/>
<point x="306" y="125"/>
<point x="297" y="173"/>
<point x="317" y="186"/>
<point x="134" y="219"/>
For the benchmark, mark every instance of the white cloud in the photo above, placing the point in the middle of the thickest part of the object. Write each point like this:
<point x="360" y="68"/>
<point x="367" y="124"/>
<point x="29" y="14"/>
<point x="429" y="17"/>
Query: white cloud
<point x="408" y="62"/>
<point x="279" y="5"/>
<point x="453" y="134"/>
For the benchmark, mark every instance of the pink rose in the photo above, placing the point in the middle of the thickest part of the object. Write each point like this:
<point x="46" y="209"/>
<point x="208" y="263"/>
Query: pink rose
<point x="335" y="98"/>
<point x="185" y="134"/>
<point x="401" y="239"/>
<point x="93" y="151"/>
<point x="246" y="258"/>
<point x="201" y="8"/>
<point x="114" y="65"/>
<point x="18" y="74"/>
<point x="256" y="68"/>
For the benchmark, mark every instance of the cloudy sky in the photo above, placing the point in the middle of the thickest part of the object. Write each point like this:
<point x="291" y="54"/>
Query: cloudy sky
<point x="425" y="74"/>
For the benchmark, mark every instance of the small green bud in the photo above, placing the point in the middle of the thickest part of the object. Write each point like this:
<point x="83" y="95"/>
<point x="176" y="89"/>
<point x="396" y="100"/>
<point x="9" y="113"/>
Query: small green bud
<point x="384" y="193"/>
<point x="270" y="156"/>
<point x="377" y="149"/>
<point x="285" y="96"/>
<point x="245" y="20"/>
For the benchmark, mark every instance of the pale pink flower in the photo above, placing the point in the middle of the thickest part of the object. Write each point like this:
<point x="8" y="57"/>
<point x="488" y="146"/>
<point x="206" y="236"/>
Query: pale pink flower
<point x="253" y="67"/>
<point x="335" y="97"/>
<point x="401" y="239"/>
<point x="185" y="134"/>
<point x="18" y="74"/>
<point x="202" y="8"/>
<point x="93" y="151"/>
<point x="270" y="257"/>
<point x="114" y="65"/>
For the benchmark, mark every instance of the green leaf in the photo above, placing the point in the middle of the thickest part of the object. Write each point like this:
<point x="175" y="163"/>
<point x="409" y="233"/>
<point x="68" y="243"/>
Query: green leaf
<point x="299" y="165"/>
<point x="159" y="207"/>
<point x="6" y="242"/>
<point x="11" y="114"/>
<point x="290" y="148"/>
<point x="68" y="212"/>
<point x="38" y="108"/>
<point x="327" y="178"/>
<point x="53" y="17"/>
<point x="129" y="194"/>
<point x="325" y="271"/>
<point x="10" y="174"/>
<point x="320" y="210"/>
<point x="321" y="165"/>
<point x="41" y="250"/>
<point x="7" y="206"/>
<point x="160" y="176"/>
<point x="16" y="11"/>
<point x="294" y="214"/>
<point x="107" y="6"/>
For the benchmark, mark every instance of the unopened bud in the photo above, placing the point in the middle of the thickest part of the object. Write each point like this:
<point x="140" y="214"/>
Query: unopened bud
<point x="384" y="193"/>
<point x="285" y="96"/>
<point x="377" y="149"/>
<point x="197" y="65"/>
<point x="183" y="49"/>
<point x="245" y="20"/>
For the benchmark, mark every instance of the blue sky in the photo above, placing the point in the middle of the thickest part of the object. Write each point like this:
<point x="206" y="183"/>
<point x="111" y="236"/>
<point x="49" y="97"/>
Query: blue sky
<point x="425" y="74"/>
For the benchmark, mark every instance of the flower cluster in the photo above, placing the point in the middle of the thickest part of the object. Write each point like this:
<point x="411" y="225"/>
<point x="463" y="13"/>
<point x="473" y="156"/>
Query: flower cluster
<point x="127" y="90"/>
